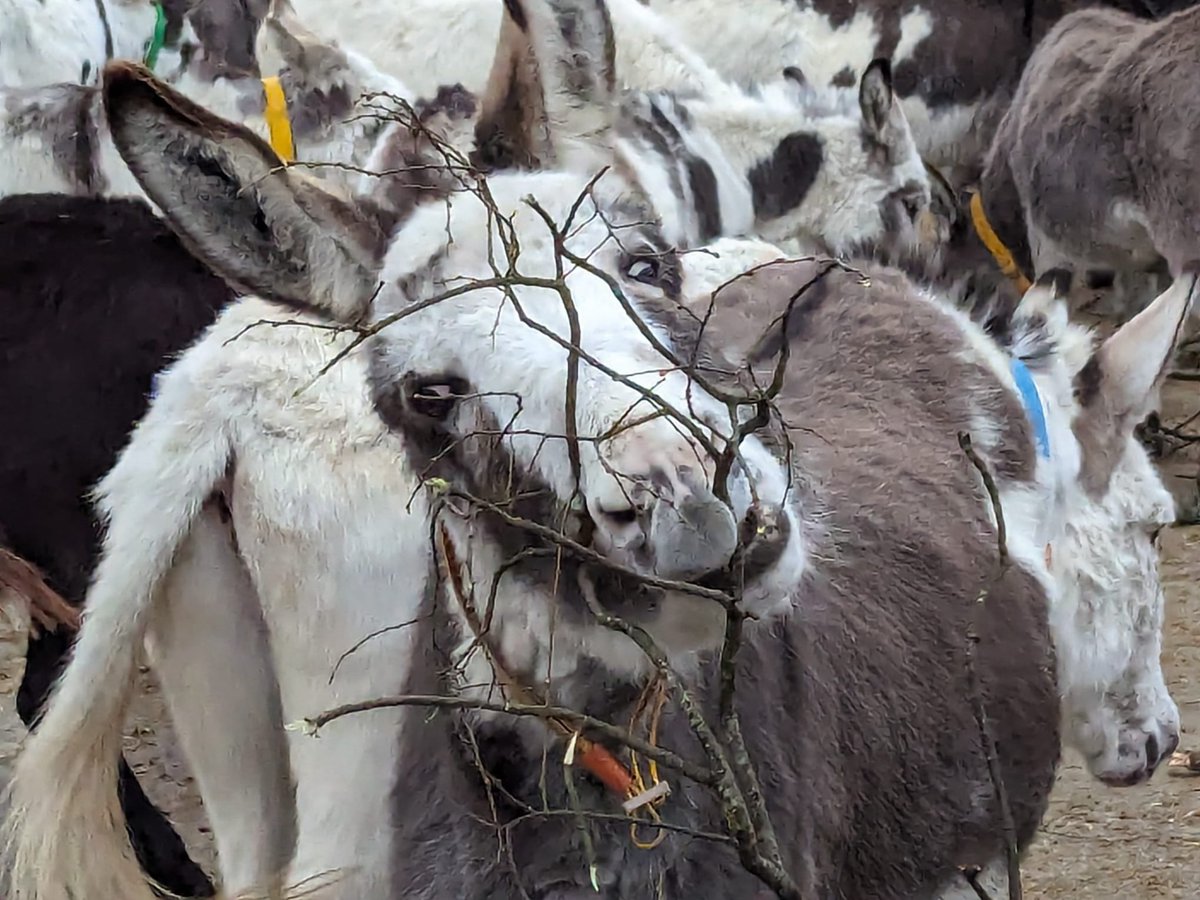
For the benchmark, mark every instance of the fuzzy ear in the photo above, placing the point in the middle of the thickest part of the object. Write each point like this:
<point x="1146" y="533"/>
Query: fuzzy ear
<point x="1119" y="386"/>
<point x="228" y="196"/>
<point x="883" y="118"/>
<point x="551" y="96"/>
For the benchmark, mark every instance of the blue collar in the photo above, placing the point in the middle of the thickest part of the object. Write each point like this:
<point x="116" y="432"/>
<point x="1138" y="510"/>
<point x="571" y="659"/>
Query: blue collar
<point x="1032" y="401"/>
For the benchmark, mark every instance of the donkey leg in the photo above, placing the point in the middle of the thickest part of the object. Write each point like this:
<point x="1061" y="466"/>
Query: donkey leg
<point x="210" y="650"/>
<point x="159" y="849"/>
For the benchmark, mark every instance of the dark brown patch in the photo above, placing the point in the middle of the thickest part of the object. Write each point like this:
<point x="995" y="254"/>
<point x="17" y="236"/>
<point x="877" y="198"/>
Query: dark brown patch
<point x="1088" y="381"/>
<point x="781" y="181"/>
<point x="846" y="78"/>
<point x="227" y="31"/>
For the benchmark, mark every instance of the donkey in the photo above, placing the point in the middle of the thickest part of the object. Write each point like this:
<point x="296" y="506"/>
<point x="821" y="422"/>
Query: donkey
<point x="1088" y="167"/>
<point x="435" y="42"/>
<point x="1103" y="505"/>
<point x="56" y="139"/>
<point x="110" y="328"/>
<point x="836" y="327"/>
<point x="419" y="250"/>
<point x="215" y="428"/>
<point x="781" y="161"/>
<point x="694" y="534"/>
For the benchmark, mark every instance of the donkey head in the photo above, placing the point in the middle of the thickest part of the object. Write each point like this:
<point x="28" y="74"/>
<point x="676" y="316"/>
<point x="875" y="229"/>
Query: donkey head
<point x="1109" y="506"/>
<point x="510" y="348"/>
<point x="1120" y="712"/>
<point x="866" y="181"/>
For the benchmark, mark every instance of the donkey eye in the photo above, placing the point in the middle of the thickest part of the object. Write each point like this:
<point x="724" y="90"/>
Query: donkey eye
<point x="434" y="399"/>
<point x="646" y="270"/>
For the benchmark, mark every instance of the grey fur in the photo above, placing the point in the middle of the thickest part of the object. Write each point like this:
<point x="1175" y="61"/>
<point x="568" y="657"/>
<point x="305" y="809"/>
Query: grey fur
<point x="68" y="118"/>
<point x="1093" y="166"/>
<point x="856" y="708"/>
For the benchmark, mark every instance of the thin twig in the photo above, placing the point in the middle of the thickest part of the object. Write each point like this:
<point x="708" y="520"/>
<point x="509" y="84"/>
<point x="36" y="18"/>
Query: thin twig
<point x="1015" y="890"/>
<point x="667" y="758"/>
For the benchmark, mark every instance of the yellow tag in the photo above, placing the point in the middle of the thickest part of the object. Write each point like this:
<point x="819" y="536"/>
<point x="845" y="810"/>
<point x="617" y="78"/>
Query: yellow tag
<point x="278" y="123"/>
<point x="991" y="240"/>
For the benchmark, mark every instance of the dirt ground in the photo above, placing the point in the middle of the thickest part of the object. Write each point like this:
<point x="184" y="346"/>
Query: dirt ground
<point x="1136" y="844"/>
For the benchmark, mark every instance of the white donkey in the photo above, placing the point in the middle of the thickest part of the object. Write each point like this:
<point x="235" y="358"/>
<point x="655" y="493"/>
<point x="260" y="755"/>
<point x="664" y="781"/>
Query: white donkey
<point x="55" y="138"/>
<point x="335" y="510"/>
<point x="436" y="42"/>
<point x="299" y="464"/>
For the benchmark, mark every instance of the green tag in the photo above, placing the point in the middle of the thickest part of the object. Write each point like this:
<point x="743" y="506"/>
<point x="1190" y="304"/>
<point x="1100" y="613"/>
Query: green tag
<point x="155" y="43"/>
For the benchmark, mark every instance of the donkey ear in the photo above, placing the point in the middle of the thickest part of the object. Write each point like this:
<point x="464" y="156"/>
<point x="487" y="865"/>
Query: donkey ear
<point x="1118" y="387"/>
<point x="1128" y="369"/>
<point x="883" y="117"/>
<point x="943" y="200"/>
<point x="228" y="196"/>
<point x="551" y="96"/>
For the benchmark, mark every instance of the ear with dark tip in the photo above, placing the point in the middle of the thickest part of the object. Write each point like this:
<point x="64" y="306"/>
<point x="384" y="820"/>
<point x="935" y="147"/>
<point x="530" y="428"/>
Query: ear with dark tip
<point x="795" y="75"/>
<point x="229" y="198"/>
<point x="1120" y="384"/>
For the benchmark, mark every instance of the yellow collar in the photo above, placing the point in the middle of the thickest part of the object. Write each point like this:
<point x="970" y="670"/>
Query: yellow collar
<point x="1000" y="253"/>
<point x="278" y="123"/>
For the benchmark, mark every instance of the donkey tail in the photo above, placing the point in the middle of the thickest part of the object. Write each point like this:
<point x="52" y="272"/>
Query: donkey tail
<point x="64" y="837"/>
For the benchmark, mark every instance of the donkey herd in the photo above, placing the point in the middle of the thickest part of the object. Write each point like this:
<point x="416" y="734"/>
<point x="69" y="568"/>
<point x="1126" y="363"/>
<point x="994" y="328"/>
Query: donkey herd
<point x="689" y="387"/>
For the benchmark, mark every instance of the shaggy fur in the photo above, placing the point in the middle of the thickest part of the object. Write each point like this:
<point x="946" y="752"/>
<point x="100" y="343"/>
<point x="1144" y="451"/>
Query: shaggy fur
<point x="957" y="61"/>
<point x="1091" y="167"/>
<point x="56" y="140"/>
<point x="48" y="41"/>
<point x="876" y="636"/>
<point x="72" y="296"/>
<point x="829" y="165"/>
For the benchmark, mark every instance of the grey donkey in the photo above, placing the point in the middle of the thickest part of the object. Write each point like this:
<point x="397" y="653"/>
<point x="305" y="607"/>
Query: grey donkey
<point x="872" y="653"/>
<point x="1093" y="166"/>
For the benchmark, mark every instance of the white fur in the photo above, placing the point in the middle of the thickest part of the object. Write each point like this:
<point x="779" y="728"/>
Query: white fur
<point x="754" y="41"/>
<point x="51" y="41"/>
<point x="30" y="165"/>
<point x="429" y="43"/>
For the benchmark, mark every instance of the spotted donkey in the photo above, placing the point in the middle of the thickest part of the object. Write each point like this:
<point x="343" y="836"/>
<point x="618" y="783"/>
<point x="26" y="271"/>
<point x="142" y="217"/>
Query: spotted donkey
<point x="296" y="467"/>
